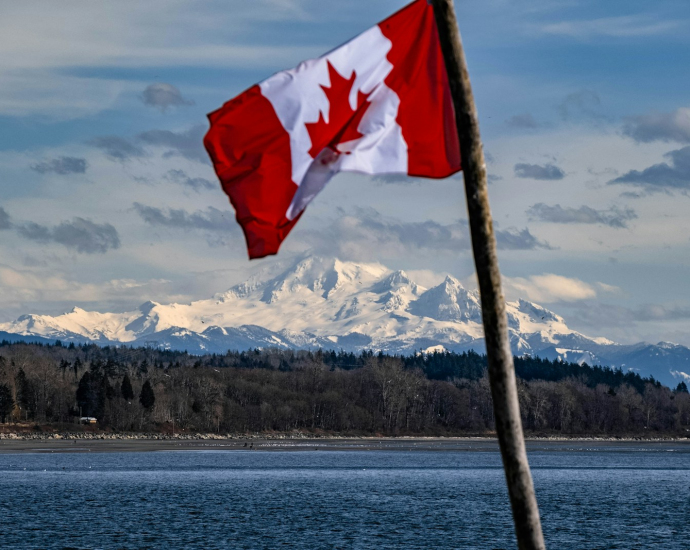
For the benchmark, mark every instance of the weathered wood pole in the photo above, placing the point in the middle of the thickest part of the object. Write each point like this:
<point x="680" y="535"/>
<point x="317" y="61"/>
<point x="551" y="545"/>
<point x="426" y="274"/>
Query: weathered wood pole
<point x="501" y="368"/>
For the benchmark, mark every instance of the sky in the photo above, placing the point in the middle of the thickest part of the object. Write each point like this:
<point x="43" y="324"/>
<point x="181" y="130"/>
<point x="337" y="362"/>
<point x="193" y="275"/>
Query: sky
<point x="108" y="199"/>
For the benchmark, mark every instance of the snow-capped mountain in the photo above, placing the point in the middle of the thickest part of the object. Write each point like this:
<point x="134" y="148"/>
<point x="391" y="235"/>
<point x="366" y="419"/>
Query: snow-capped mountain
<point x="331" y="304"/>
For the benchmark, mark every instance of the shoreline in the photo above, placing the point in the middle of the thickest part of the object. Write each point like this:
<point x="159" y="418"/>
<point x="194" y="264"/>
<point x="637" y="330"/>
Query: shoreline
<point x="148" y="442"/>
<point x="57" y="435"/>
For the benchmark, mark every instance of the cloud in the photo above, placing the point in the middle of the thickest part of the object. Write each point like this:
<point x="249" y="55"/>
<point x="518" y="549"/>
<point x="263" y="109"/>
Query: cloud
<point x="62" y="166"/>
<point x="539" y="172"/>
<point x="613" y="217"/>
<point x="84" y="236"/>
<point x="673" y="126"/>
<point x="162" y="96"/>
<point x="5" y="222"/>
<point x="134" y="34"/>
<point x="188" y="144"/>
<point x="659" y="312"/>
<point x="404" y="179"/>
<point x="210" y="220"/>
<point x="364" y="234"/>
<point x="197" y="184"/>
<point x="518" y="239"/>
<point x="117" y="148"/>
<point x="674" y="175"/>
<point x="624" y="324"/>
<point x="624" y="320"/>
<point x="395" y="179"/>
<point x="22" y="287"/>
<point x="578" y="104"/>
<point x="627" y="26"/>
<point x="525" y="120"/>
<point x="548" y="288"/>
<point x="34" y="232"/>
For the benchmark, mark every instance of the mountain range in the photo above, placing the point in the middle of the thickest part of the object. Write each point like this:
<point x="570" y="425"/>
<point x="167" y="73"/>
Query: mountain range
<point x="332" y="304"/>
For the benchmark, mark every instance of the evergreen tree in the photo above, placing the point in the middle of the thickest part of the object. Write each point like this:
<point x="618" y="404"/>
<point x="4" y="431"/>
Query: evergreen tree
<point x="147" y="398"/>
<point x="110" y="368"/>
<point x="96" y="367"/>
<point x="64" y="365"/>
<point x="6" y="402"/>
<point x="126" y="389"/>
<point x="77" y="366"/>
<point x="143" y="368"/>
<point x="92" y="392"/>
<point x="108" y="390"/>
<point x="23" y="387"/>
<point x="85" y="398"/>
<point x="682" y="387"/>
<point x="103" y="391"/>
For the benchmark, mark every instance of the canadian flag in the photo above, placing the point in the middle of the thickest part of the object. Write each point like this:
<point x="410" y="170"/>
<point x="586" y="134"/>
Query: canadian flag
<point x="378" y="104"/>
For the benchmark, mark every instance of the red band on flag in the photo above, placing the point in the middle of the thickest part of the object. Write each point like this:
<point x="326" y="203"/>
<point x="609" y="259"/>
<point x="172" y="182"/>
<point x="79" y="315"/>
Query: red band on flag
<point x="250" y="151"/>
<point x="426" y="114"/>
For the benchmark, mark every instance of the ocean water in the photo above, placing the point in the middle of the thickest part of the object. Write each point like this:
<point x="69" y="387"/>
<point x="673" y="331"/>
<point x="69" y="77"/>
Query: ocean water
<point x="591" y="497"/>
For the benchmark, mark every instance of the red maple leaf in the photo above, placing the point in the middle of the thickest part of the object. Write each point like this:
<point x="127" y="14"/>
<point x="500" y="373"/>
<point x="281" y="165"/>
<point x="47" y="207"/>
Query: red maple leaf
<point x="342" y="119"/>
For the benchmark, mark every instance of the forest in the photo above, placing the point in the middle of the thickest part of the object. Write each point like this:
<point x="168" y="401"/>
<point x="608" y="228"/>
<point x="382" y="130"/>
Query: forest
<point x="321" y="392"/>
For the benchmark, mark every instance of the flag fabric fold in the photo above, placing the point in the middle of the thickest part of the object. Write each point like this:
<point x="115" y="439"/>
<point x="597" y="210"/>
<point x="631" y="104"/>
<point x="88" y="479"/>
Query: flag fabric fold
<point x="378" y="104"/>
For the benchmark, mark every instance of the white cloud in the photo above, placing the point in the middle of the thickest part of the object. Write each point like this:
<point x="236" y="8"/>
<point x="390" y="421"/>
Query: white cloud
<point x="19" y="286"/>
<point x="617" y="27"/>
<point x="425" y="277"/>
<point x="55" y="96"/>
<point x="673" y="126"/>
<point x="129" y="33"/>
<point x="549" y="288"/>
<point x="44" y="42"/>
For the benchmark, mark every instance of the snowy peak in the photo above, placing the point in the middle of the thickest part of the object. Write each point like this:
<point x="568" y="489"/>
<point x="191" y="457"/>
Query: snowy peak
<point x="396" y="291"/>
<point x="394" y="281"/>
<point x="449" y="301"/>
<point x="147" y="307"/>
<point x="32" y="324"/>
<point x="328" y="303"/>
<point x="321" y="277"/>
<point x="536" y="313"/>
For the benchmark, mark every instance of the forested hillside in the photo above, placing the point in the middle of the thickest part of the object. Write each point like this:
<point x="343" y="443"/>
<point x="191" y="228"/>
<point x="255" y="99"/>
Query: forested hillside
<point x="271" y="390"/>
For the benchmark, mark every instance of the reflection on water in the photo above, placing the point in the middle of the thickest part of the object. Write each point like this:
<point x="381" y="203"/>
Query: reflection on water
<point x="603" y="496"/>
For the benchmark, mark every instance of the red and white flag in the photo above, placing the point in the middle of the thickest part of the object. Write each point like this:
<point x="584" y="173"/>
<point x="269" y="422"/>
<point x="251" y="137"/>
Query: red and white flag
<point x="378" y="104"/>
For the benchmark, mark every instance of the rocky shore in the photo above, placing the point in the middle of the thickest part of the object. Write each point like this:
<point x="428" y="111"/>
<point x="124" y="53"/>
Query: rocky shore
<point x="298" y="436"/>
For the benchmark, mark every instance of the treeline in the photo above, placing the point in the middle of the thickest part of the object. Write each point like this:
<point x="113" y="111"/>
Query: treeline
<point x="367" y="393"/>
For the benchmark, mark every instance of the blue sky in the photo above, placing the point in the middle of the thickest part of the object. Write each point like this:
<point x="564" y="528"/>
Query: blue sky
<point x="108" y="200"/>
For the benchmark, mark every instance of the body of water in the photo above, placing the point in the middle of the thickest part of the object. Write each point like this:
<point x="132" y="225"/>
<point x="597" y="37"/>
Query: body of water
<point x="602" y="496"/>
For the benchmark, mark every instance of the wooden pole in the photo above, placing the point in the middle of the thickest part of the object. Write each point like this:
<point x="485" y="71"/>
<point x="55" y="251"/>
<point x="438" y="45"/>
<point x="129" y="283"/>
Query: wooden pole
<point x="501" y="370"/>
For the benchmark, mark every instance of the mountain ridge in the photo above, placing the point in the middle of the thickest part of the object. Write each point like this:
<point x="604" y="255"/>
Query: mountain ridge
<point x="331" y="304"/>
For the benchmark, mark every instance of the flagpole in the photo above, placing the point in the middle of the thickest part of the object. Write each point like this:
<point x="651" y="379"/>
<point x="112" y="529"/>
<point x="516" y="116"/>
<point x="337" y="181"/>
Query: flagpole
<point x="501" y="369"/>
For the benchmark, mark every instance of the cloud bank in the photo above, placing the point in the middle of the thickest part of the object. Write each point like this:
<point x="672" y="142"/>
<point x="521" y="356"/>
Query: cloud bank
<point x="5" y="222"/>
<point x="62" y="166"/>
<point x="665" y="176"/>
<point x="162" y="96"/>
<point x="613" y="217"/>
<point x="210" y="220"/>
<point x="82" y="235"/>
<point x="673" y="126"/>
<point x="365" y="234"/>
<point x="539" y="172"/>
